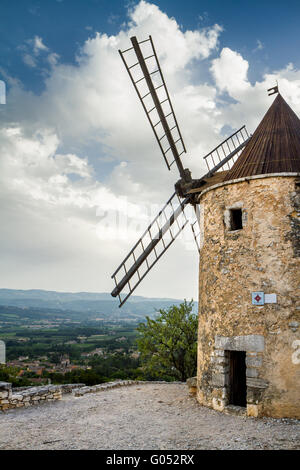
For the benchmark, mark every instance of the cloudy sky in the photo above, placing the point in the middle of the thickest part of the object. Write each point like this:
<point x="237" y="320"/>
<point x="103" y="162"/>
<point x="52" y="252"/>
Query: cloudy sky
<point x="80" y="171"/>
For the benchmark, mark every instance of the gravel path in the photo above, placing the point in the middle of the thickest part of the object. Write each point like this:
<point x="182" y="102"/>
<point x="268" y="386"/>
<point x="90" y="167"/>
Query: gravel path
<point x="140" y="417"/>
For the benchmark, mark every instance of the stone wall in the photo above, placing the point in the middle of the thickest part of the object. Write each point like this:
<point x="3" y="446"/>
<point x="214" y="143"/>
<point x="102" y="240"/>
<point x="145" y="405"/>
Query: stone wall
<point x="28" y="396"/>
<point x="31" y="396"/>
<point x="262" y="256"/>
<point x="108" y="385"/>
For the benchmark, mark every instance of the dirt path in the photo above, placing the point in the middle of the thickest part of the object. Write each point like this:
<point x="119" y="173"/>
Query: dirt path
<point x="149" y="416"/>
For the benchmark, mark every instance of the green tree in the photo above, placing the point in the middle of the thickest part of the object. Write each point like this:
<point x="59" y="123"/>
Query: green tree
<point x="168" y="343"/>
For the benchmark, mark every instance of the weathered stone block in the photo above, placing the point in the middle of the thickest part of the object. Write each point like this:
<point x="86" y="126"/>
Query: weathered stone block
<point x="222" y="368"/>
<point x="5" y="389"/>
<point x="219" y="380"/>
<point x="218" y="360"/>
<point x="192" y="382"/>
<point x="219" y="352"/>
<point x="256" y="383"/>
<point x="218" y="404"/>
<point x="294" y="325"/>
<point x="5" y="386"/>
<point x="254" y="395"/>
<point x="240" y="343"/>
<point x="253" y="361"/>
<point x="17" y="397"/>
<point x="4" y="407"/>
<point x="251" y="372"/>
<point x="252" y="411"/>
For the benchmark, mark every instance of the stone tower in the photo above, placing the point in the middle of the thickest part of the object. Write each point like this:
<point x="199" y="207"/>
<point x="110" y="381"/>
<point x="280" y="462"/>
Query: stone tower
<point x="249" y="276"/>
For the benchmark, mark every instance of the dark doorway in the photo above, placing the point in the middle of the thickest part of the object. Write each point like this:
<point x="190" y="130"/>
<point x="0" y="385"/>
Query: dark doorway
<point x="237" y="378"/>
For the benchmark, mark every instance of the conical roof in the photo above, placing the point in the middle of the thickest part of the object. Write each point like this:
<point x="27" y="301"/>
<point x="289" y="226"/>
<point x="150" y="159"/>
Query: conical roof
<point x="274" y="147"/>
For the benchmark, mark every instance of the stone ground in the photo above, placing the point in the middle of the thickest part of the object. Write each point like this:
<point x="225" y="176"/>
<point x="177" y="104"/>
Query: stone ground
<point x="140" y="417"/>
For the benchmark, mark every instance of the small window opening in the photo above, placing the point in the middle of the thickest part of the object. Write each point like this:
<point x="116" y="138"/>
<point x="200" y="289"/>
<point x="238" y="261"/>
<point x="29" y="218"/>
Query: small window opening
<point x="236" y="219"/>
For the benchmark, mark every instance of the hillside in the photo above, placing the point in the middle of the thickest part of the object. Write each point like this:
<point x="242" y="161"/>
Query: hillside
<point x="91" y="305"/>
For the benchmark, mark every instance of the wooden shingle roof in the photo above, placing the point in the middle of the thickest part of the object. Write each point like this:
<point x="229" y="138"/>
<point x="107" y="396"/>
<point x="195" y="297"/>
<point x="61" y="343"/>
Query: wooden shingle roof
<point x="274" y="147"/>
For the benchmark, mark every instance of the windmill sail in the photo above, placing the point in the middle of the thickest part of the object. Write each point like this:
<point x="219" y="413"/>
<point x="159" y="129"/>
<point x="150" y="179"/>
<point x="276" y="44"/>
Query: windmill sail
<point x="225" y="152"/>
<point x="195" y="226"/>
<point x="143" y="67"/>
<point x="158" y="237"/>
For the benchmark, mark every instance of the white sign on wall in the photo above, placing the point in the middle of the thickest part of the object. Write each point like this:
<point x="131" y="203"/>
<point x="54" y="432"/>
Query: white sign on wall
<point x="260" y="298"/>
<point x="270" y="299"/>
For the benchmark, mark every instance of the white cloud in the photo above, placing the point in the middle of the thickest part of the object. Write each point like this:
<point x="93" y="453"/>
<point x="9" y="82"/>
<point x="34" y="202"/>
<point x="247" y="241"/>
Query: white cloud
<point x="259" y="46"/>
<point x="54" y="148"/>
<point x="38" y="45"/>
<point x="33" y="50"/>
<point x="176" y="48"/>
<point x="230" y="72"/>
<point x="95" y="102"/>
<point x="53" y="58"/>
<point x="29" y="60"/>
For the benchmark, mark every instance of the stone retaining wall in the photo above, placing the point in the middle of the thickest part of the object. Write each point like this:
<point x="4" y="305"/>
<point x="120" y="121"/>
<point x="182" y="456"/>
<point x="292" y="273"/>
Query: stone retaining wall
<point x="68" y="388"/>
<point x="14" y="398"/>
<point x="118" y="383"/>
<point x="10" y="398"/>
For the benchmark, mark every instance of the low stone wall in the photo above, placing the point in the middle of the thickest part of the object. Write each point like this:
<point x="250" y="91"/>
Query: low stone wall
<point x="27" y="396"/>
<point x="65" y="388"/>
<point x="118" y="383"/>
<point x="105" y="386"/>
<point x="14" y="398"/>
<point x="68" y="388"/>
<point x="31" y="396"/>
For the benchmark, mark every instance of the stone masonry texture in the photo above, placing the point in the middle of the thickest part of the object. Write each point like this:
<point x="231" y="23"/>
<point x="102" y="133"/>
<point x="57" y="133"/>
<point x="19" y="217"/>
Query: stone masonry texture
<point x="262" y="256"/>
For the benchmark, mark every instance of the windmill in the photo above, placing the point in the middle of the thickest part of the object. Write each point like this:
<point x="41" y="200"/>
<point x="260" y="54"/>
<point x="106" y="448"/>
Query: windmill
<point x="144" y="70"/>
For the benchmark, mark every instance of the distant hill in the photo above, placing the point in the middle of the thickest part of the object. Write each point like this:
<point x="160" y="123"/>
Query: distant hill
<point x="91" y="305"/>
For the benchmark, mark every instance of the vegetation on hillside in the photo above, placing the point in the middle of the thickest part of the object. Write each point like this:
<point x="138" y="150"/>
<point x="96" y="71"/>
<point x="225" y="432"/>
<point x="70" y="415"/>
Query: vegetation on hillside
<point x="168" y="344"/>
<point x="63" y="350"/>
